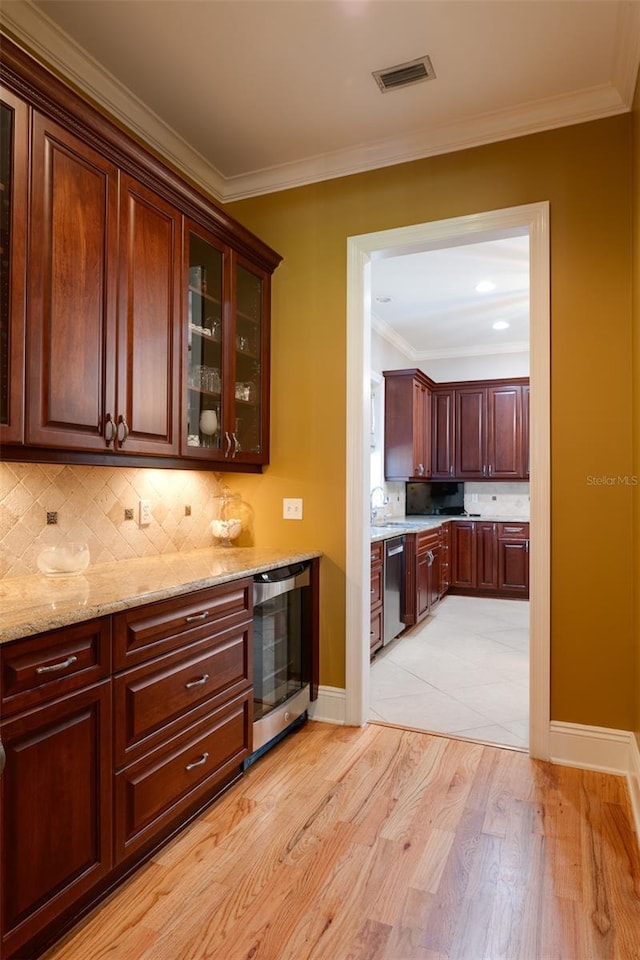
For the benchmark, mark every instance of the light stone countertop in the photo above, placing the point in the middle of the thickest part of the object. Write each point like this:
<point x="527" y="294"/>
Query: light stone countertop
<point x="30" y="605"/>
<point x="398" y="526"/>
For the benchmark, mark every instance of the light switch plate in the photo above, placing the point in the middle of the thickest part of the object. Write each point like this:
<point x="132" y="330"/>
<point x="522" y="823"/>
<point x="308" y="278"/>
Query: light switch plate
<point x="292" y="508"/>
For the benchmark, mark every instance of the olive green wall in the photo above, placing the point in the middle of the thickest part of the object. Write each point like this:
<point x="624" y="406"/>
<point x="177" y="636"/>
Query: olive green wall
<point x="585" y="173"/>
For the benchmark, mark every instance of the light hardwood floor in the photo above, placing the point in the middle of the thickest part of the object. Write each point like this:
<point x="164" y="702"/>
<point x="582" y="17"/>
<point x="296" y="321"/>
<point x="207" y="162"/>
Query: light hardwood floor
<point x="387" y="844"/>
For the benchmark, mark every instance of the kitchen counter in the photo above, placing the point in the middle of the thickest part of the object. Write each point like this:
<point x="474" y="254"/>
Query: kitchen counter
<point x="33" y="604"/>
<point x="396" y="527"/>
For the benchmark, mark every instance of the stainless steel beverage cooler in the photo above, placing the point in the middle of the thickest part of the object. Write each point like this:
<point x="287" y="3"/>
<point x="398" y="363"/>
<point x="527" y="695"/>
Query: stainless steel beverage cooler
<point x="281" y="653"/>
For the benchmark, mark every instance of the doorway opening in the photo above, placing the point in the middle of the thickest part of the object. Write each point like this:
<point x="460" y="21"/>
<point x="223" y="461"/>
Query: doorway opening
<point x="362" y="252"/>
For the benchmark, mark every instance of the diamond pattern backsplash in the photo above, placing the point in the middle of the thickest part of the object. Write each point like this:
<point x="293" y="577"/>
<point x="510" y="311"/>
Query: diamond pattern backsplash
<point x="90" y="503"/>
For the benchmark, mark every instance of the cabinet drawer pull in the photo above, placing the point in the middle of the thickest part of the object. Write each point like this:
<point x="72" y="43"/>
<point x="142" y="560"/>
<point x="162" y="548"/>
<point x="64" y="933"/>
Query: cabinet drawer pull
<point x="513" y="529"/>
<point x="198" y="763"/>
<point x="196" y="616"/>
<point x="372" y="633"/>
<point x="54" y="667"/>
<point x="372" y="591"/>
<point x="197" y="683"/>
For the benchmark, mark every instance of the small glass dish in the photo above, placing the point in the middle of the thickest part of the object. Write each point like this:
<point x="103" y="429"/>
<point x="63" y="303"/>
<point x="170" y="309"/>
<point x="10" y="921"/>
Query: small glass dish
<point x="63" y="559"/>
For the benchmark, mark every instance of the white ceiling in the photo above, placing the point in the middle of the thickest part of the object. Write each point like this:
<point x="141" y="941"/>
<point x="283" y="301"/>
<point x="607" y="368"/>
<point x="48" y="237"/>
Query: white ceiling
<point x="252" y="96"/>
<point x="434" y="309"/>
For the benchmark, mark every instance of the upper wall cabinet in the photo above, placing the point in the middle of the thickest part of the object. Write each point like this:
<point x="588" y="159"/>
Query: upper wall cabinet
<point x="472" y="430"/>
<point x="147" y="306"/>
<point x="407" y="425"/>
<point x="488" y="432"/>
<point x="13" y="238"/>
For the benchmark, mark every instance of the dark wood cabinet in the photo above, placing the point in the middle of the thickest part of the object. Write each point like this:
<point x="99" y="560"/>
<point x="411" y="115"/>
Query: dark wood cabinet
<point x="56" y="790"/>
<point x="407" y="425"/>
<point x="486" y="556"/>
<point x="443" y="435"/>
<point x="445" y="558"/>
<point x="71" y="343"/>
<point x="489" y="432"/>
<point x="113" y="318"/>
<point x="513" y="559"/>
<point x="13" y="252"/>
<point x="377" y="596"/>
<point x="116" y="731"/>
<point x="490" y="558"/>
<point x="148" y="341"/>
<point x="423" y="583"/>
<point x="471" y="430"/>
<point x="464" y="554"/>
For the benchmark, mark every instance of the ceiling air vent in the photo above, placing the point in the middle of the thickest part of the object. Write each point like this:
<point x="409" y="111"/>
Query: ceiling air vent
<point x="414" y="71"/>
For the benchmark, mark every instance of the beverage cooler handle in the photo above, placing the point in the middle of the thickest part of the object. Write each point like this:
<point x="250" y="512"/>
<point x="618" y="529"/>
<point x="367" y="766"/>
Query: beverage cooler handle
<point x="392" y="553"/>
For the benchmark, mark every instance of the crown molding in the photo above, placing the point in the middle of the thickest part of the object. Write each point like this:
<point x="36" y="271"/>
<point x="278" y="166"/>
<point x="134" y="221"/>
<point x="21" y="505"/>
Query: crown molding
<point x="33" y="29"/>
<point x="41" y="37"/>
<point x="414" y="356"/>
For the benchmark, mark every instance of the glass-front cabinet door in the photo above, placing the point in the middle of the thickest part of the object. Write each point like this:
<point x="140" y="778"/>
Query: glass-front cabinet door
<point x="227" y="359"/>
<point x="205" y="346"/>
<point x="249" y="437"/>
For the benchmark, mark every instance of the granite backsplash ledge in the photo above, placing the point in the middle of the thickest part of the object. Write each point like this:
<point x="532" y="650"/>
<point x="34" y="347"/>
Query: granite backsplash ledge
<point x="90" y="504"/>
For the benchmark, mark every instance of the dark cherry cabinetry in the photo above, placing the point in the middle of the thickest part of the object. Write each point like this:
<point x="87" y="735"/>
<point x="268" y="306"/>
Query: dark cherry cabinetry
<point x="56" y="790"/>
<point x="116" y="731"/>
<point x="489" y="441"/>
<point x="138" y="345"/>
<point x="513" y="559"/>
<point x="424" y="574"/>
<point x="475" y="430"/>
<point x="377" y="596"/>
<point x="443" y="435"/>
<point x="407" y="425"/>
<point x="13" y="251"/>
<point x="490" y="558"/>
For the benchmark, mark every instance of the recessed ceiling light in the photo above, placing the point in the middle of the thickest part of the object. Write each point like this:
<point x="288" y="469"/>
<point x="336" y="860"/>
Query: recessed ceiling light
<point x="383" y="299"/>
<point x="485" y="286"/>
<point x="500" y="325"/>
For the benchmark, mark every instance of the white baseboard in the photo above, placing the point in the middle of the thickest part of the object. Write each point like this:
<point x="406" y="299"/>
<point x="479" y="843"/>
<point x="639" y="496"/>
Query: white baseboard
<point x="592" y="748"/>
<point x="330" y="707"/>
<point x="633" y="779"/>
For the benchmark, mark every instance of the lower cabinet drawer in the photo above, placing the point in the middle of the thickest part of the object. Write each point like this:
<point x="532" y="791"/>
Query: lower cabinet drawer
<point x="179" y="687"/>
<point x="375" y="636"/>
<point x="159" y="787"/>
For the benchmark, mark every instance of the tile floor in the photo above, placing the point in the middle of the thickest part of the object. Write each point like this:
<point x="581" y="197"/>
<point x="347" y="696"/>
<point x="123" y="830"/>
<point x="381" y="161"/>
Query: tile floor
<point x="464" y="670"/>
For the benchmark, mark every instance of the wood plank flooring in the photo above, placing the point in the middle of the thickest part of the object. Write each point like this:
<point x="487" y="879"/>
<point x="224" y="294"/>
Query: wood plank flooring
<point x="387" y="844"/>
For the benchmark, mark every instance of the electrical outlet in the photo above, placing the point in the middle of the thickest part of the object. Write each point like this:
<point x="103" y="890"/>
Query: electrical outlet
<point x="187" y="510"/>
<point x="52" y="516"/>
<point x="144" y="513"/>
<point x="292" y="509"/>
<point x="128" y="513"/>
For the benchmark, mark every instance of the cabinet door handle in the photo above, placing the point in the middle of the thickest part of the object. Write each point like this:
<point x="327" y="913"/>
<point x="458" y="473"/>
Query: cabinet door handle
<point x="228" y="439"/>
<point x="526" y="546"/>
<point x="109" y="431"/>
<point x="236" y="446"/>
<point x="197" y="683"/>
<point x="196" y="616"/>
<point x="490" y="469"/>
<point x="372" y="591"/>
<point x="54" y="667"/>
<point x="372" y="633"/>
<point x="198" y="763"/>
<point x="451" y="470"/>
<point x="122" y="431"/>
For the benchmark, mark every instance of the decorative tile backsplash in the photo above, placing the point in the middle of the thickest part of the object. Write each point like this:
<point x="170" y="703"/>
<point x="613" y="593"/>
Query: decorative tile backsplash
<point x="90" y="504"/>
<point x="510" y="500"/>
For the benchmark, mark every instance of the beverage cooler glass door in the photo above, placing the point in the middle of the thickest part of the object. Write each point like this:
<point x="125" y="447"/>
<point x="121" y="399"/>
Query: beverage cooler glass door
<point x="281" y="656"/>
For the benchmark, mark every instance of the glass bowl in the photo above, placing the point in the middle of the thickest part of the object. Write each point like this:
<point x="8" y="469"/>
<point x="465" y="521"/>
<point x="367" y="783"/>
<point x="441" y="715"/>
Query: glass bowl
<point x="63" y="560"/>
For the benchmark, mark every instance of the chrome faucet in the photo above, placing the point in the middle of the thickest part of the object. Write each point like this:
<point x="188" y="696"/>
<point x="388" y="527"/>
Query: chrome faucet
<point x="374" y="508"/>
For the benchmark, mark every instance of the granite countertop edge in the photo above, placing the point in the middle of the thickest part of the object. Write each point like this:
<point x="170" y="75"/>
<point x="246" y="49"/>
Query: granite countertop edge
<point x="402" y="525"/>
<point x="34" y="604"/>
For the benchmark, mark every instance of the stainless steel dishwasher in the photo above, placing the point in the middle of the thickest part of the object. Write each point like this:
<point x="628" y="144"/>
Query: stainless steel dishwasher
<point x="393" y="587"/>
